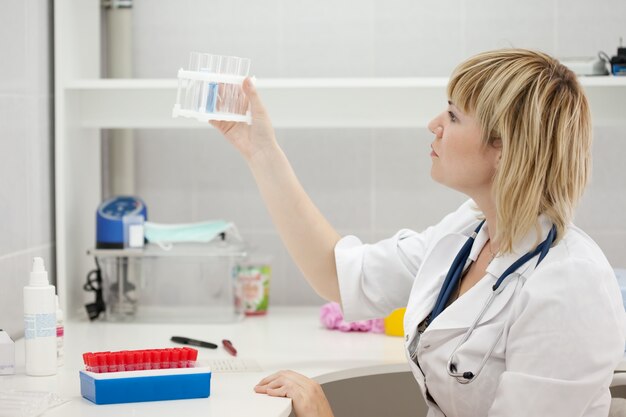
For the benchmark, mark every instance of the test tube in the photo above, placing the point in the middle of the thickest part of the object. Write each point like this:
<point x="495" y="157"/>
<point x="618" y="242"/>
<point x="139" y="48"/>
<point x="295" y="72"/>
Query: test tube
<point x="139" y="364"/>
<point x="165" y="358"/>
<point x="193" y="355"/>
<point x="129" y="361"/>
<point x="121" y="362"/>
<point x="220" y="68"/>
<point x="194" y="65"/>
<point x="92" y="363"/>
<point x="184" y="357"/>
<point x="198" y="63"/>
<point x="174" y="358"/>
<point x="86" y="357"/>
<point x="229" y="68"/>
<point x="208" y="95"/>
<point x="111" y="360"/>
<point x="194" y="61"/>
<point x="216" y="62"/>
<point x="156" y="359"/>
<point x="244" y="67"/>
<point x="102" y="364"/>
<point x="241" y="99"/>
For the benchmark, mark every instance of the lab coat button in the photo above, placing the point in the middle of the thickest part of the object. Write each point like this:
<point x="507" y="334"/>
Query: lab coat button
<point x="406" y="337"/>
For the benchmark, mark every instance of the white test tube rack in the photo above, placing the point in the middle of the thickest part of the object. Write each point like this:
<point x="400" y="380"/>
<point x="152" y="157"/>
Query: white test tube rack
<point x="211" y="95"/>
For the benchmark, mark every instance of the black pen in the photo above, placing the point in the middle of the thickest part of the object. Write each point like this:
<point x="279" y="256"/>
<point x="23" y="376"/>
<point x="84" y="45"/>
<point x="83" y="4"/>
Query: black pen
<point x="193" y="342"/>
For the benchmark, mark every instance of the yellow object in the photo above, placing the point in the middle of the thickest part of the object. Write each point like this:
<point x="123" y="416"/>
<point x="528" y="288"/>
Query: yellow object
<point x="394" y="322"/>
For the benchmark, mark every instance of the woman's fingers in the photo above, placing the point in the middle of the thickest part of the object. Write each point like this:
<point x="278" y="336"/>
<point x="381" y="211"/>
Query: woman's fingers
<point x="256" y="105"/>
<point x="277" y="392"/>
<point x="307" y="396"/>
<point x="269" y="378"/>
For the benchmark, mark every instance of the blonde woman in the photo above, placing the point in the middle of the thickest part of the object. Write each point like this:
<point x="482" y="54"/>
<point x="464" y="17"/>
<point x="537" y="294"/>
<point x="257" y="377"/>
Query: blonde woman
<point x="511" y="309"/>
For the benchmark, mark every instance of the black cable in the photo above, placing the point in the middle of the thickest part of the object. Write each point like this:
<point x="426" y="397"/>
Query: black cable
<point x="94" y="283"/>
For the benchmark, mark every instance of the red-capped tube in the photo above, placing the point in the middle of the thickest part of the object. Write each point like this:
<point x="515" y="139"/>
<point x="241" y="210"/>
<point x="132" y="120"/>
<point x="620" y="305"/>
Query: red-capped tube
<point x="155" y="355"/>
<point x="92" y="363"/>
<point x="129" y="361"/>
<point x="102" y="364"/>
<point x="139" y="364"/>
<point x="119" y="358"/>
<point x="193" y="356"/>
<point x="184" y="355"/>
<point x="174" y="358"/>
<point x="112" y="361"/>
<point x="165" y="359"/>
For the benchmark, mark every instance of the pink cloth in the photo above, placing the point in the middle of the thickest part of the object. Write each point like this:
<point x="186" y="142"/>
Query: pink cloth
<point x="332" y="318"/>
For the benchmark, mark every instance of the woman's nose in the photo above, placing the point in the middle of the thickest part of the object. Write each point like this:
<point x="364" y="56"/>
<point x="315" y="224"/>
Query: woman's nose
<point x="435" y="127"/>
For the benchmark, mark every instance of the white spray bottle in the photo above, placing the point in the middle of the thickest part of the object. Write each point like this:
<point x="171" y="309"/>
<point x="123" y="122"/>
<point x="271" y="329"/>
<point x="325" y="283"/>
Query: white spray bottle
<point x="40" y="323"/>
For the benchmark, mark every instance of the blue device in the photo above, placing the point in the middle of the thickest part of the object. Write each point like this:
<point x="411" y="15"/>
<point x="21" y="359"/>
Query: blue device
<point x="110" y="220"/>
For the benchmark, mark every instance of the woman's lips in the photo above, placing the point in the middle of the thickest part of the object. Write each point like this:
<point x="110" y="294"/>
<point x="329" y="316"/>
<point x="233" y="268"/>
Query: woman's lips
<point x="432" y="152"/>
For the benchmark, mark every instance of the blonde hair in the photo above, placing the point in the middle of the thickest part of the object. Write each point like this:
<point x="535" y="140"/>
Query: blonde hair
<point x="537" y="108"/>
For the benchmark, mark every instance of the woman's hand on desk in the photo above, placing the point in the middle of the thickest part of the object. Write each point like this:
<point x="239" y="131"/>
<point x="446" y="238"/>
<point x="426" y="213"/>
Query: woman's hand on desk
<point x="307" y="396"/>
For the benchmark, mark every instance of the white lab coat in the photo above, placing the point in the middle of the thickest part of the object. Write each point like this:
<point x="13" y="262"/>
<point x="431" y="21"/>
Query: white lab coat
<point x="563" y="323"/>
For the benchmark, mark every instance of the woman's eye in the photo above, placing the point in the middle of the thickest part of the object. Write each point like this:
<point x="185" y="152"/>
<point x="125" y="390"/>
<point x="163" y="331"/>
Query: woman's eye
<point x="452" y="116"/>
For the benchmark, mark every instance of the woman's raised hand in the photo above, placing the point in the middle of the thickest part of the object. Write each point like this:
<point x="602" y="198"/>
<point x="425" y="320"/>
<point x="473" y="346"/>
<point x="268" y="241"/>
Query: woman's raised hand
<point x="250" y="139"/>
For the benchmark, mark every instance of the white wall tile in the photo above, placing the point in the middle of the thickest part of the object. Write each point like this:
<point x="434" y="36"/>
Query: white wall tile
<point x="226" y="186"/>
<point x="405" y="196"/>
<point x="413" y="39"/>
<point x="38" y="45"/>
<point x="13" y="44"/>
<point x="502" y="24"/>
<point x="603" y="206"/>
<point x="165" y="32"/>
<point x="328" y="39"/>
<point x="584" y="29"/>
<point x="613" y="244"/>
<point x="14" y="141"/>
<point x="11" y="300"/>
<point x="39" y="178"/>
<point x="334" y="167"/>
<point x="24" y="42"/>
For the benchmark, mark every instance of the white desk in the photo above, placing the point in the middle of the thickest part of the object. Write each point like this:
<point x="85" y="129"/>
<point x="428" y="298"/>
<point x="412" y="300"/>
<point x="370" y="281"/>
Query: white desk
<point x="287" y="338"/>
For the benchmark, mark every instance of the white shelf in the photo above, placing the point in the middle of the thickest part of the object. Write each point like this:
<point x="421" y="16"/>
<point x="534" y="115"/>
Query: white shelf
<point x="302" y="103"/>
<point x="178" y="250"/>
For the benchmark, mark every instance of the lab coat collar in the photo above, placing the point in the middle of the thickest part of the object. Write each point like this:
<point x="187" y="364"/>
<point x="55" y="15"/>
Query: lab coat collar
<point x="460" y="314"/>
<point x="431" y="276"/>
<point x="529" y="242"/>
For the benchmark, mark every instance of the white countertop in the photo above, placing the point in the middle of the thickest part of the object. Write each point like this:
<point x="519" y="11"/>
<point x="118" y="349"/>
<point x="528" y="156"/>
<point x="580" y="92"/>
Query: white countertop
<point x="287" y="338"/>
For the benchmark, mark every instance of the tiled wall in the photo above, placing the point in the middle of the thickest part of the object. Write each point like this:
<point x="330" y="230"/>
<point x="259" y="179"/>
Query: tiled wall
<point x="26" y="151"/>
<point x="367" y="182"/>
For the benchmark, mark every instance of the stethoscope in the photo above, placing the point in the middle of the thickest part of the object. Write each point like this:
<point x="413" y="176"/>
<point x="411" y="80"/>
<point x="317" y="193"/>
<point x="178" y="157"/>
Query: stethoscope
<point x="450" y="283"/>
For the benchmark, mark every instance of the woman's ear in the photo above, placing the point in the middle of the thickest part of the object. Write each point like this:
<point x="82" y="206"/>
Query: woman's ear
<point x="496" y="144"/>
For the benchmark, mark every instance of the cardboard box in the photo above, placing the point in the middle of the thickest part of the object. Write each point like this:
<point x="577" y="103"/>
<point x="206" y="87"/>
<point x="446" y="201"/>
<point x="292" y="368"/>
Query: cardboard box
<point x="7" y="354"/>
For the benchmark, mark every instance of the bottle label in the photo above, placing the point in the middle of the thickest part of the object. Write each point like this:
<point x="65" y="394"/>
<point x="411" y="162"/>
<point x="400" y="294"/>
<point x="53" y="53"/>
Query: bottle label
<point x="39" y="325"/>
<point x="253" y="287"/>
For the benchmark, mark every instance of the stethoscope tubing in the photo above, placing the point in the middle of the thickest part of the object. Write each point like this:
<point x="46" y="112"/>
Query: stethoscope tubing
<point x="541" y="250"/>
<point x="462" y="376"/>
